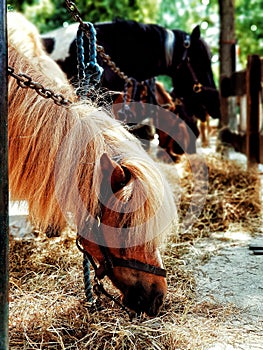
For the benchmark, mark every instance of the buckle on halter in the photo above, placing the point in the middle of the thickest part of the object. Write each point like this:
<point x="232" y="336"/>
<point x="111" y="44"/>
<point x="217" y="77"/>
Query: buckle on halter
<point x="187" y="41"/>
<point x="197" y="88"/>
<point x="100" y="272"/>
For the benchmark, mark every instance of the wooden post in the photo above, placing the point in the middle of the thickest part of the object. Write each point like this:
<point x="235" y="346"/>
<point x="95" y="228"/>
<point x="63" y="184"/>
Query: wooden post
<point x="4" y="222"/>
<point x="227" y="58"/>
<point x="253" y="99"/>
<point x="261" y="118"/>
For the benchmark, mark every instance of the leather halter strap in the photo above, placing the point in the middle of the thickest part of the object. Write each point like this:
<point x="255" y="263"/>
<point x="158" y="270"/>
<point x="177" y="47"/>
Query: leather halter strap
<point x="197" y="86"/>
<point x="111" y="261"/>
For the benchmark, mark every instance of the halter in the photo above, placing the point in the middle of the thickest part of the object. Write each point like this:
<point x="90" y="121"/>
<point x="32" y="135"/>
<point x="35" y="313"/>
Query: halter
<point x="111" y="261"/>
<point x="106" y="269"/>
<point x="197" y="86"/>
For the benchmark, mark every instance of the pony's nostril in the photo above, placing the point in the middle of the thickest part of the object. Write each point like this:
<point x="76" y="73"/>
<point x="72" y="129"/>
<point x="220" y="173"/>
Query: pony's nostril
<point x="159" y="300"/>
<point x="140" y="301"/>
<point x="156" y="305"/>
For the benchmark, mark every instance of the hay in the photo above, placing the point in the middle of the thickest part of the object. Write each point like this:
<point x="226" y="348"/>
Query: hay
<point x="47" y="301"/>
<point x="229" y="196"/>
<point x="48" y="309"/>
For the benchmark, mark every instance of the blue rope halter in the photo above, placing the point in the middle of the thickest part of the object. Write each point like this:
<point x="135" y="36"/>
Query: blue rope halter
<point x="89" y="74"/>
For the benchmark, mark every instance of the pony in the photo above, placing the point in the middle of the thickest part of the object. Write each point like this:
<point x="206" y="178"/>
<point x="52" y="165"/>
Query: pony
<point x="143" y="51"/>
<point x="177" y="132"/>
<point x="176" y="129"/>
<point x="77" y="165"/>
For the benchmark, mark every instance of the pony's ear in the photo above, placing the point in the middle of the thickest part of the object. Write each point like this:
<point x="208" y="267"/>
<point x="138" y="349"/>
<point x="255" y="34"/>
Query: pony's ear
<point x="49" y="44"/>
<point x="195" y="35"/>
<point x="113" y="173"/>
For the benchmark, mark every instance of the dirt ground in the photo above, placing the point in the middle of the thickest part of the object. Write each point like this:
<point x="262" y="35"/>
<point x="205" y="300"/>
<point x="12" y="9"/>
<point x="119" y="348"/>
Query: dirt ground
<point x="232" y="274"/>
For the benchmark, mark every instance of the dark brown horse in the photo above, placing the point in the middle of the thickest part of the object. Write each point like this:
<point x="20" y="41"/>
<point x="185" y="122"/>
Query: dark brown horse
<point x="144" y="51"/>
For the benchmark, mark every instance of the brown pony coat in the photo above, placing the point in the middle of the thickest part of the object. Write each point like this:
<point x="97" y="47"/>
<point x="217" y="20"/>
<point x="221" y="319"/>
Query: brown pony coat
<point x="54" y="155"/>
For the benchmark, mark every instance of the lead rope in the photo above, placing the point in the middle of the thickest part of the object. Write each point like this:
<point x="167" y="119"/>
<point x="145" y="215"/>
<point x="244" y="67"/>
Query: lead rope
<point x="87" y="280"/>
<point x="98" y="287"/>
<point x="73" y="10"/>
<point x="89" y="75"/>
<point x="94" y="305"/>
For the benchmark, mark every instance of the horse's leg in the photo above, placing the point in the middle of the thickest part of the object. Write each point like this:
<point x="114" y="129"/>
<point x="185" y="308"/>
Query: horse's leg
<point x="202" y="132"/>
<point x="209" y="129"/>
<point x="205" y="131"/>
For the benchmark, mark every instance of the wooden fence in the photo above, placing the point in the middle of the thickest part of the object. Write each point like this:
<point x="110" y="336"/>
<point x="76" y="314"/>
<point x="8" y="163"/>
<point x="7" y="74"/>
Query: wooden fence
<point x="246" y="86"/>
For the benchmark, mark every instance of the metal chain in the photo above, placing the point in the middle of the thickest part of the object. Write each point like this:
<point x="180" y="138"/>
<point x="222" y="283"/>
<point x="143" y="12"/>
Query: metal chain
<point x="26" y="82"/>
<point x="73" y="10"/>
<point x="125" y="114"/>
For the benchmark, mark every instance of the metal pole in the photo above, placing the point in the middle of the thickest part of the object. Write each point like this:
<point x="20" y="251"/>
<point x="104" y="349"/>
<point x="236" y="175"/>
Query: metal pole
<point x="4" y="221"/>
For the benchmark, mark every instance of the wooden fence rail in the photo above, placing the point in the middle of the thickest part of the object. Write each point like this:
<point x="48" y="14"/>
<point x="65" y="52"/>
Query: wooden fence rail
<point x="246" y="85"/>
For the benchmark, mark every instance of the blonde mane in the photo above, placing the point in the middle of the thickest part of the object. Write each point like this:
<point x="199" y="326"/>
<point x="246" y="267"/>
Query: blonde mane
<point x="54" y="155"/>
<point x="25" y="37"/>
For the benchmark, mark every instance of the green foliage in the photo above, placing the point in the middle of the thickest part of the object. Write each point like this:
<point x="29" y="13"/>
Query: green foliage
<point x="48" y="14"/>
<point x="248" y="22"/>
<point x="186" y="14"/>
<point x="249" y="29"/>
<point x="181" y="14"/>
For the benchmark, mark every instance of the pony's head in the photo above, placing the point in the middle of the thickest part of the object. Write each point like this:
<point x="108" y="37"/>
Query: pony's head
<point x="177" y="133"/>
<point x="193" y="77"/>
<point x="177" y="130"/>
<point x="133" y="264"/>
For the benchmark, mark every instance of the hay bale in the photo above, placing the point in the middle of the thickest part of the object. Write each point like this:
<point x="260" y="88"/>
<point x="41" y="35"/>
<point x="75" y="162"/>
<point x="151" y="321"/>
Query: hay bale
<point x="221" y="191"/>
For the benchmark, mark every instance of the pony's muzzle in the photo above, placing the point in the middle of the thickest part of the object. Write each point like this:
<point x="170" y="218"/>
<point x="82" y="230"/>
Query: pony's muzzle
<point x="141" y="301"/>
